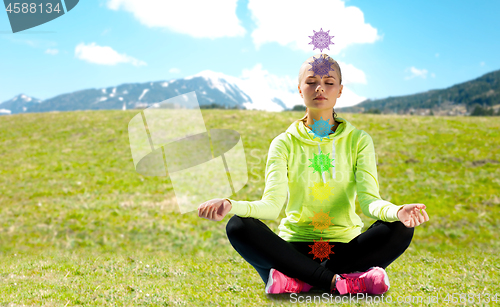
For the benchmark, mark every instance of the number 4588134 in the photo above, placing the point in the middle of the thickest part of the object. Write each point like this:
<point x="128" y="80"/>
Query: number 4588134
<point x="32" y="8"/>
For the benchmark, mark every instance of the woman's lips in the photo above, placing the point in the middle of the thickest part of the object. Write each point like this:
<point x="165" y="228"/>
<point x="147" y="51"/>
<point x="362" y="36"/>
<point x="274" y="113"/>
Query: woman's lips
<point x="320" y="98"/>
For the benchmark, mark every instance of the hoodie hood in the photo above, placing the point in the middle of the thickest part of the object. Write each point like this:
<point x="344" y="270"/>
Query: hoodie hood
<point x="306" y="136"/>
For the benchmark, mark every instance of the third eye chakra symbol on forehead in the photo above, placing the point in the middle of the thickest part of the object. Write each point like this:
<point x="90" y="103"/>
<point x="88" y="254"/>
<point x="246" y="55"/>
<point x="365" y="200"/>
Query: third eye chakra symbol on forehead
<point x="321" y="40"/>
<point x="321" y="66"/>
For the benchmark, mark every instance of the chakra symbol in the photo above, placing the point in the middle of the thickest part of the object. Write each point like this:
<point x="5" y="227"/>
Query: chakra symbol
<point x="321" y="249"/>
<point x="321" y="191"/>
<point x="321" y="66"/>
<point x="321" y="40"/>
<point x="321" y="220"/>
<point x="321" y="128"/>
<point x="321" y="162"/>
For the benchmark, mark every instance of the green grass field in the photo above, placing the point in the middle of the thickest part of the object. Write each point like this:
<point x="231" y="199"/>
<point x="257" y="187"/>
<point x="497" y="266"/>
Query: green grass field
<point x="79" y="227"/>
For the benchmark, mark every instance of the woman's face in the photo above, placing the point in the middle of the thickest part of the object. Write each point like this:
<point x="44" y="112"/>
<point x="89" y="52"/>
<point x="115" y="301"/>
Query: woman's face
<point x="320" y="93"/>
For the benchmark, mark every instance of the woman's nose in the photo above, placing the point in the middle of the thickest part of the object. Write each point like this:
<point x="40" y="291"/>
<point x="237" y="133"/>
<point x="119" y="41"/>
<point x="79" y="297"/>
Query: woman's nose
<point x="319" y="87"/>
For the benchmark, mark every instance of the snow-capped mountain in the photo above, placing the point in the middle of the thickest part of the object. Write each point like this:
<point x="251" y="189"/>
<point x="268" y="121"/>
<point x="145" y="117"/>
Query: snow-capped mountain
<point x="19" y="104"/>
<point x="265" y="92"/>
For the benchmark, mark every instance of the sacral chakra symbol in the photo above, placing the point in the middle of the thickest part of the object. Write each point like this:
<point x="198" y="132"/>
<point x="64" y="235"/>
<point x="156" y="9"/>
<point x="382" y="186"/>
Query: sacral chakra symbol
<point x="321" y="220"/>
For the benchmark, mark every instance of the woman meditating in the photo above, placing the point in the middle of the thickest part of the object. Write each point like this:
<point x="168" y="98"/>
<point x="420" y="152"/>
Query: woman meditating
<point x="321" y="162"/>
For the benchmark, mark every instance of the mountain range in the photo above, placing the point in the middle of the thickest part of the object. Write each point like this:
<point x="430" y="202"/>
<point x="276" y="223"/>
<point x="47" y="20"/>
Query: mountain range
<point x="211" y="88"/>
<point x="459" y="99"/>
<point x="267" y="93"/>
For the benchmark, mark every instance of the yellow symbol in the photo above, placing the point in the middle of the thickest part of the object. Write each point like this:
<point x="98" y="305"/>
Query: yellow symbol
<point x="321" y="191"/>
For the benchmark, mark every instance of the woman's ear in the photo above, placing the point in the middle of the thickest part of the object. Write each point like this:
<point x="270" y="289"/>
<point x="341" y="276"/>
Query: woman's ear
<point x="340" y="91"/>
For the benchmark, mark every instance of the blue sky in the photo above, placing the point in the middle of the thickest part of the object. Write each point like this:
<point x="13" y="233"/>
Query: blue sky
<point x="385" y="48"/>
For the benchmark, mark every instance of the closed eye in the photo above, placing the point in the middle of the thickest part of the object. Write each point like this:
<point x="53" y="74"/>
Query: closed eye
<point x="314" y="83"/>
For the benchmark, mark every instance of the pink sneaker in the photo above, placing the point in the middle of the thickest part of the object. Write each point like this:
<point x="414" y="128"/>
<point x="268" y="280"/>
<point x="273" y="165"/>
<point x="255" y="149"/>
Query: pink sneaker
<point x="373" y="281"/>
<point x="280" y="283"/>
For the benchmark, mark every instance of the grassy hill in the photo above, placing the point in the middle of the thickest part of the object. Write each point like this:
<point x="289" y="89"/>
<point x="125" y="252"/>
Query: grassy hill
<point x="78" y="225"/>
<point x="459" y="99"/>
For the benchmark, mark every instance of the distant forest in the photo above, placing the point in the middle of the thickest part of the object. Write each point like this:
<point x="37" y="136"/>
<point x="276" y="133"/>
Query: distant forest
<point x="478" y="111"/>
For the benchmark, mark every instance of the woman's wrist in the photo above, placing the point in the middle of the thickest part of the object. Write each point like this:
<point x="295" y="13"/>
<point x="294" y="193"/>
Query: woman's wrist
<point x="230" y="204"/>
<point x="397" y="213"/>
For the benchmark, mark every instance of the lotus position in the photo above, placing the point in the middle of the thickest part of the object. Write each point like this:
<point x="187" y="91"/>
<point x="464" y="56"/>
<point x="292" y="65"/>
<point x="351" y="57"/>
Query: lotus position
<point x="315" y="169"/>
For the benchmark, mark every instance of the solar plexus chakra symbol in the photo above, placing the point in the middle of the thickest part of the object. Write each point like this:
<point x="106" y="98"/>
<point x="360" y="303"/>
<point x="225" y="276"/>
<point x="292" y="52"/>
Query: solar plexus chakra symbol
<point x="321" y="40"/>
<point x="321" y="128"/>
<point x="321" y="191"/>
<point x="321" y="220"/>
<point x="321" y="249"/>
<point x="321" y="162"/>
<point x="321" y="66"/>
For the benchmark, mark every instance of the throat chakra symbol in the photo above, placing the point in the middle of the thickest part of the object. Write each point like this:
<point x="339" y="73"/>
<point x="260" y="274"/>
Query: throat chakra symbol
<point x="321" y="66"/>
<point x="321" y="249"/>
<point x="321" y="40"/>
<point x="321" y="162"/>
<point x="321" y="128"/>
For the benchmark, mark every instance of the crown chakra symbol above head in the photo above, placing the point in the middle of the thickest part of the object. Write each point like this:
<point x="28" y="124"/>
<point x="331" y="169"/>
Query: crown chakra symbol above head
<point x="321" y="40"/>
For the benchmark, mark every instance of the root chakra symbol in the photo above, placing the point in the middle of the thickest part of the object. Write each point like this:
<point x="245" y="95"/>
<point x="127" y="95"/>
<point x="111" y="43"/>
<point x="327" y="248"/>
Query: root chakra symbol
<point x="321" y="40"/>
<point x="321" y="220"/>
<point x="321" y="249"/>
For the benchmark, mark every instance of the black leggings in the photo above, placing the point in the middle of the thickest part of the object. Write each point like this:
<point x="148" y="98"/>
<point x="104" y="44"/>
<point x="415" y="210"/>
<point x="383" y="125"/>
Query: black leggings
<point x="379" y="245"/>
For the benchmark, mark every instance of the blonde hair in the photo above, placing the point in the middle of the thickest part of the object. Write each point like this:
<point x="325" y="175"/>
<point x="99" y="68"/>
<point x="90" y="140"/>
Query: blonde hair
<point x="303" y="70"/>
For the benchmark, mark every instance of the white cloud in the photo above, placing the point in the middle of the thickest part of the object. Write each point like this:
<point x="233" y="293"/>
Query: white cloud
<point x="174" y="70"/>
<point x="415" y="72"/>
<point x="34" y="42"/>
<point x="351" y="74"/>
<point x="198" y="18"/>
<point x="348" y="98"/>
<point x="52" y="51"/>
<point x="103" y="55"/>
<point x="290" y="23"/>
<point x="263" y="86"/>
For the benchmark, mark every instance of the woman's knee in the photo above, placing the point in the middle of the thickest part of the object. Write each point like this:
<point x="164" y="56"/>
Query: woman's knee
<point x="397" y="231"/>
<point x="402" y="232"/>
<point x="236" y="226"/>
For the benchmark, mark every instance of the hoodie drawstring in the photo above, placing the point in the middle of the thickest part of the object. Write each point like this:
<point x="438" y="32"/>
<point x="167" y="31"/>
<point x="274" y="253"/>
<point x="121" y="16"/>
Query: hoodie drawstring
<point x="333" y="157"/>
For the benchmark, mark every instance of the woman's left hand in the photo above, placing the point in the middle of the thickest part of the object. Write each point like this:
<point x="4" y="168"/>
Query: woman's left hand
<point x="411" y="216"/>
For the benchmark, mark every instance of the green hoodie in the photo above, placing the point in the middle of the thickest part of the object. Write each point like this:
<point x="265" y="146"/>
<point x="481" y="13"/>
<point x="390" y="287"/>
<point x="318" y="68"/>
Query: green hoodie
<point x="320" y="204"/>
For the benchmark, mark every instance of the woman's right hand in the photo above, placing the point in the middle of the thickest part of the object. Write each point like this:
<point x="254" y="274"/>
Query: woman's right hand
<point x="215" y="209"/>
